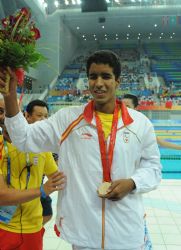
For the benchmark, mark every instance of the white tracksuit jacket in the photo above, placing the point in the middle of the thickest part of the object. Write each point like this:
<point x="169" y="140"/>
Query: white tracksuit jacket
<point x="71" y="133"/>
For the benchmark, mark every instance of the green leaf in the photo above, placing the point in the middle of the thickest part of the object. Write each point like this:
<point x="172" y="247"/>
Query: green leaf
<point x="17" y="55"/>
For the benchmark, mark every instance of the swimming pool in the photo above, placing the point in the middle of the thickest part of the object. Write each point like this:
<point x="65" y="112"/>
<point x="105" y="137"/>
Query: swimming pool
<point x="169" y="130"/>
<point x="171" y="163"/>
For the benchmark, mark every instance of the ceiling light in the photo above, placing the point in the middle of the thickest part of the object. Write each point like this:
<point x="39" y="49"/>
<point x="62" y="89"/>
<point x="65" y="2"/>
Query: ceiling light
<point x="171" y="37"/>
<point x="117" y="38"/>
<point x="78" y="27"/>
<point x="127" y="38"/>
<point x="66" y="2"/>
<point x="150" y="34"/>
<point x="108" y="1"/>
<point x="116" y="34"/>
<point x="160" y="37"/>
<point x="83" y="35"/>
<point x="149" y="37"/>
<point x="155" y="25"/>
<point x="129" y="26"/>
<point x="45" y="5"/>
<point x="78" y="1"/>
<point x="105" y="35"/>
<point x="85" y="39"/>
<point x="94" y="35"/>
<point x="56" y="3"/>
<point x="138" y="37"/>
<point x="73" y="2"/>
<point x="105" y="38"/>
<point x="173" y="33"/>
<point x="139" y="34"/>
<point x="127" y="34"/>
<point x="103" y="26"/>
<point x="162" y="33"/>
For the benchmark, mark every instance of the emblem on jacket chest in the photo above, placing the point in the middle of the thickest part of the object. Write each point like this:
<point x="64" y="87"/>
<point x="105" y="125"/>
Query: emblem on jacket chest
<point x="126" y="136"/>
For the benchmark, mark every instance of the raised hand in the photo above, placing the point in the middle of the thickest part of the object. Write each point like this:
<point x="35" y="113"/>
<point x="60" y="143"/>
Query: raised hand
<point x="8" y="81"/>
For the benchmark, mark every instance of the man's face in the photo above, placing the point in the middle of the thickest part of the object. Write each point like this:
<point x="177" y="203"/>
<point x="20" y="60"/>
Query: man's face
<point x="102" y="83"/>
<point x="2" y="111"/>
<point x="128" y="103"/>
<point x="39" y="113"/>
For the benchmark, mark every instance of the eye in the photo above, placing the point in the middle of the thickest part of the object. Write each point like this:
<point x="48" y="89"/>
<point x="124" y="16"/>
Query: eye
<point x="93" y="76"/>
<point x="1" y="111"/>
<point x="106" y="76"/>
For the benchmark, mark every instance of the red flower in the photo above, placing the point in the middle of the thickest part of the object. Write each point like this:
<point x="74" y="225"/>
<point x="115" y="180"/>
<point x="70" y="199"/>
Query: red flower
<point x="11" y="20"/>
<point x="5" y="22"/>
<point x="23" y="14"/>
<point x="35" y="33"/>
<point x="26" y="12"/>
<point x="20" y="75"/>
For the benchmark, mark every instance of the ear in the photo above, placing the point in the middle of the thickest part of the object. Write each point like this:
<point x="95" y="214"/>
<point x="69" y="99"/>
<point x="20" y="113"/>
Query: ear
<point x="26" y="115"/>
<point x="118" y="82"/>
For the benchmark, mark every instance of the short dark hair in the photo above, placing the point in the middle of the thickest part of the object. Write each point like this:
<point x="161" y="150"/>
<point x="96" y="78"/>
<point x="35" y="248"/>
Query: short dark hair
<point x="32" y="104"/>
<point x="105" y="57"/>
<point x="133" y="98"/>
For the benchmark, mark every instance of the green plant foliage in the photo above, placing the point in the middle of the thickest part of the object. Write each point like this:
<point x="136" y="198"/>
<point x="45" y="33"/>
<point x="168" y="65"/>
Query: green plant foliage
<point x="18" y="36"/>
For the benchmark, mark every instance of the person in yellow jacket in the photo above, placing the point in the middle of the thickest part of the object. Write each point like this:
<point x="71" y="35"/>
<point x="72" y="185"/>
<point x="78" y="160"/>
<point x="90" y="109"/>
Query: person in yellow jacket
<point x="37" y="110"/>
<point x="21" y="221"/>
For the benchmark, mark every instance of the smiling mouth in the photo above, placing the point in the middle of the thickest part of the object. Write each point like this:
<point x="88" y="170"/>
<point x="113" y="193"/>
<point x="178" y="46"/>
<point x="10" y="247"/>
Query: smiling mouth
<point x="99" y="92"/>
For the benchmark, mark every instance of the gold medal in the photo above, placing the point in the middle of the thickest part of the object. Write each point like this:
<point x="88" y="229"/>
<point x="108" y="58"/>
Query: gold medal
<point x="103" y="189"/>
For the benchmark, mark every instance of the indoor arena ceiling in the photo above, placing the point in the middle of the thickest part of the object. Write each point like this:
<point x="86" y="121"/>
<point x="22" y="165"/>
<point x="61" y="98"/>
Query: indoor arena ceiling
<point x="123" y="20"/>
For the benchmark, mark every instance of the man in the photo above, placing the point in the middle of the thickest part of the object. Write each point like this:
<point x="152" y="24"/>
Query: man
<point x="21" y="186"/>
<point x="101" y="145"/>
<point x="37" y="110"/>
<point x="131" y="101"/>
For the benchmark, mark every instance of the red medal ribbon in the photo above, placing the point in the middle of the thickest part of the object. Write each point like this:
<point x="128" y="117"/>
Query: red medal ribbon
<point x="107" y="156"/>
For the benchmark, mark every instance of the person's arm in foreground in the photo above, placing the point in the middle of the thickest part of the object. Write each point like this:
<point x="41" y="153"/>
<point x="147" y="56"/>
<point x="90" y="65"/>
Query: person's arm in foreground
<point x="167" y="144"/>
<point x="10" y="196"/>
<point x="147" y="176"/>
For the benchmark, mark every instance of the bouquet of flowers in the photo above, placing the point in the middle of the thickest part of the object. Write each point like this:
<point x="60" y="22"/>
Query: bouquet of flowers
<point x="18" y="35"/>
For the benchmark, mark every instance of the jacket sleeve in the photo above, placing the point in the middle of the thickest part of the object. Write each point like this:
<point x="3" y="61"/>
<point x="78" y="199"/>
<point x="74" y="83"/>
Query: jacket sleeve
<point x="41" y="136"/>
<point x="148" y="172"/>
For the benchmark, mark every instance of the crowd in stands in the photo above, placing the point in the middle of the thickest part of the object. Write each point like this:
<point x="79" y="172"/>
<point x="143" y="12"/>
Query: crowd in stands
<point x="136" y="78"/>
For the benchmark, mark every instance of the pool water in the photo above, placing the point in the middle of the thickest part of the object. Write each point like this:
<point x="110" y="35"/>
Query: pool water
<point x="170" y="158"/>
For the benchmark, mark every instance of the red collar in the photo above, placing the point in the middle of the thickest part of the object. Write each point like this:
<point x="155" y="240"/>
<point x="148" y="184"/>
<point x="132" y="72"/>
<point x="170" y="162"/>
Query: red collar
<point x="89" y="111"/>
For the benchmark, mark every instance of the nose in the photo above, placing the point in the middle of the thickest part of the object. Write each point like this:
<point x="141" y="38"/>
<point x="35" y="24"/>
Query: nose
<point x="99" y="81"/>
